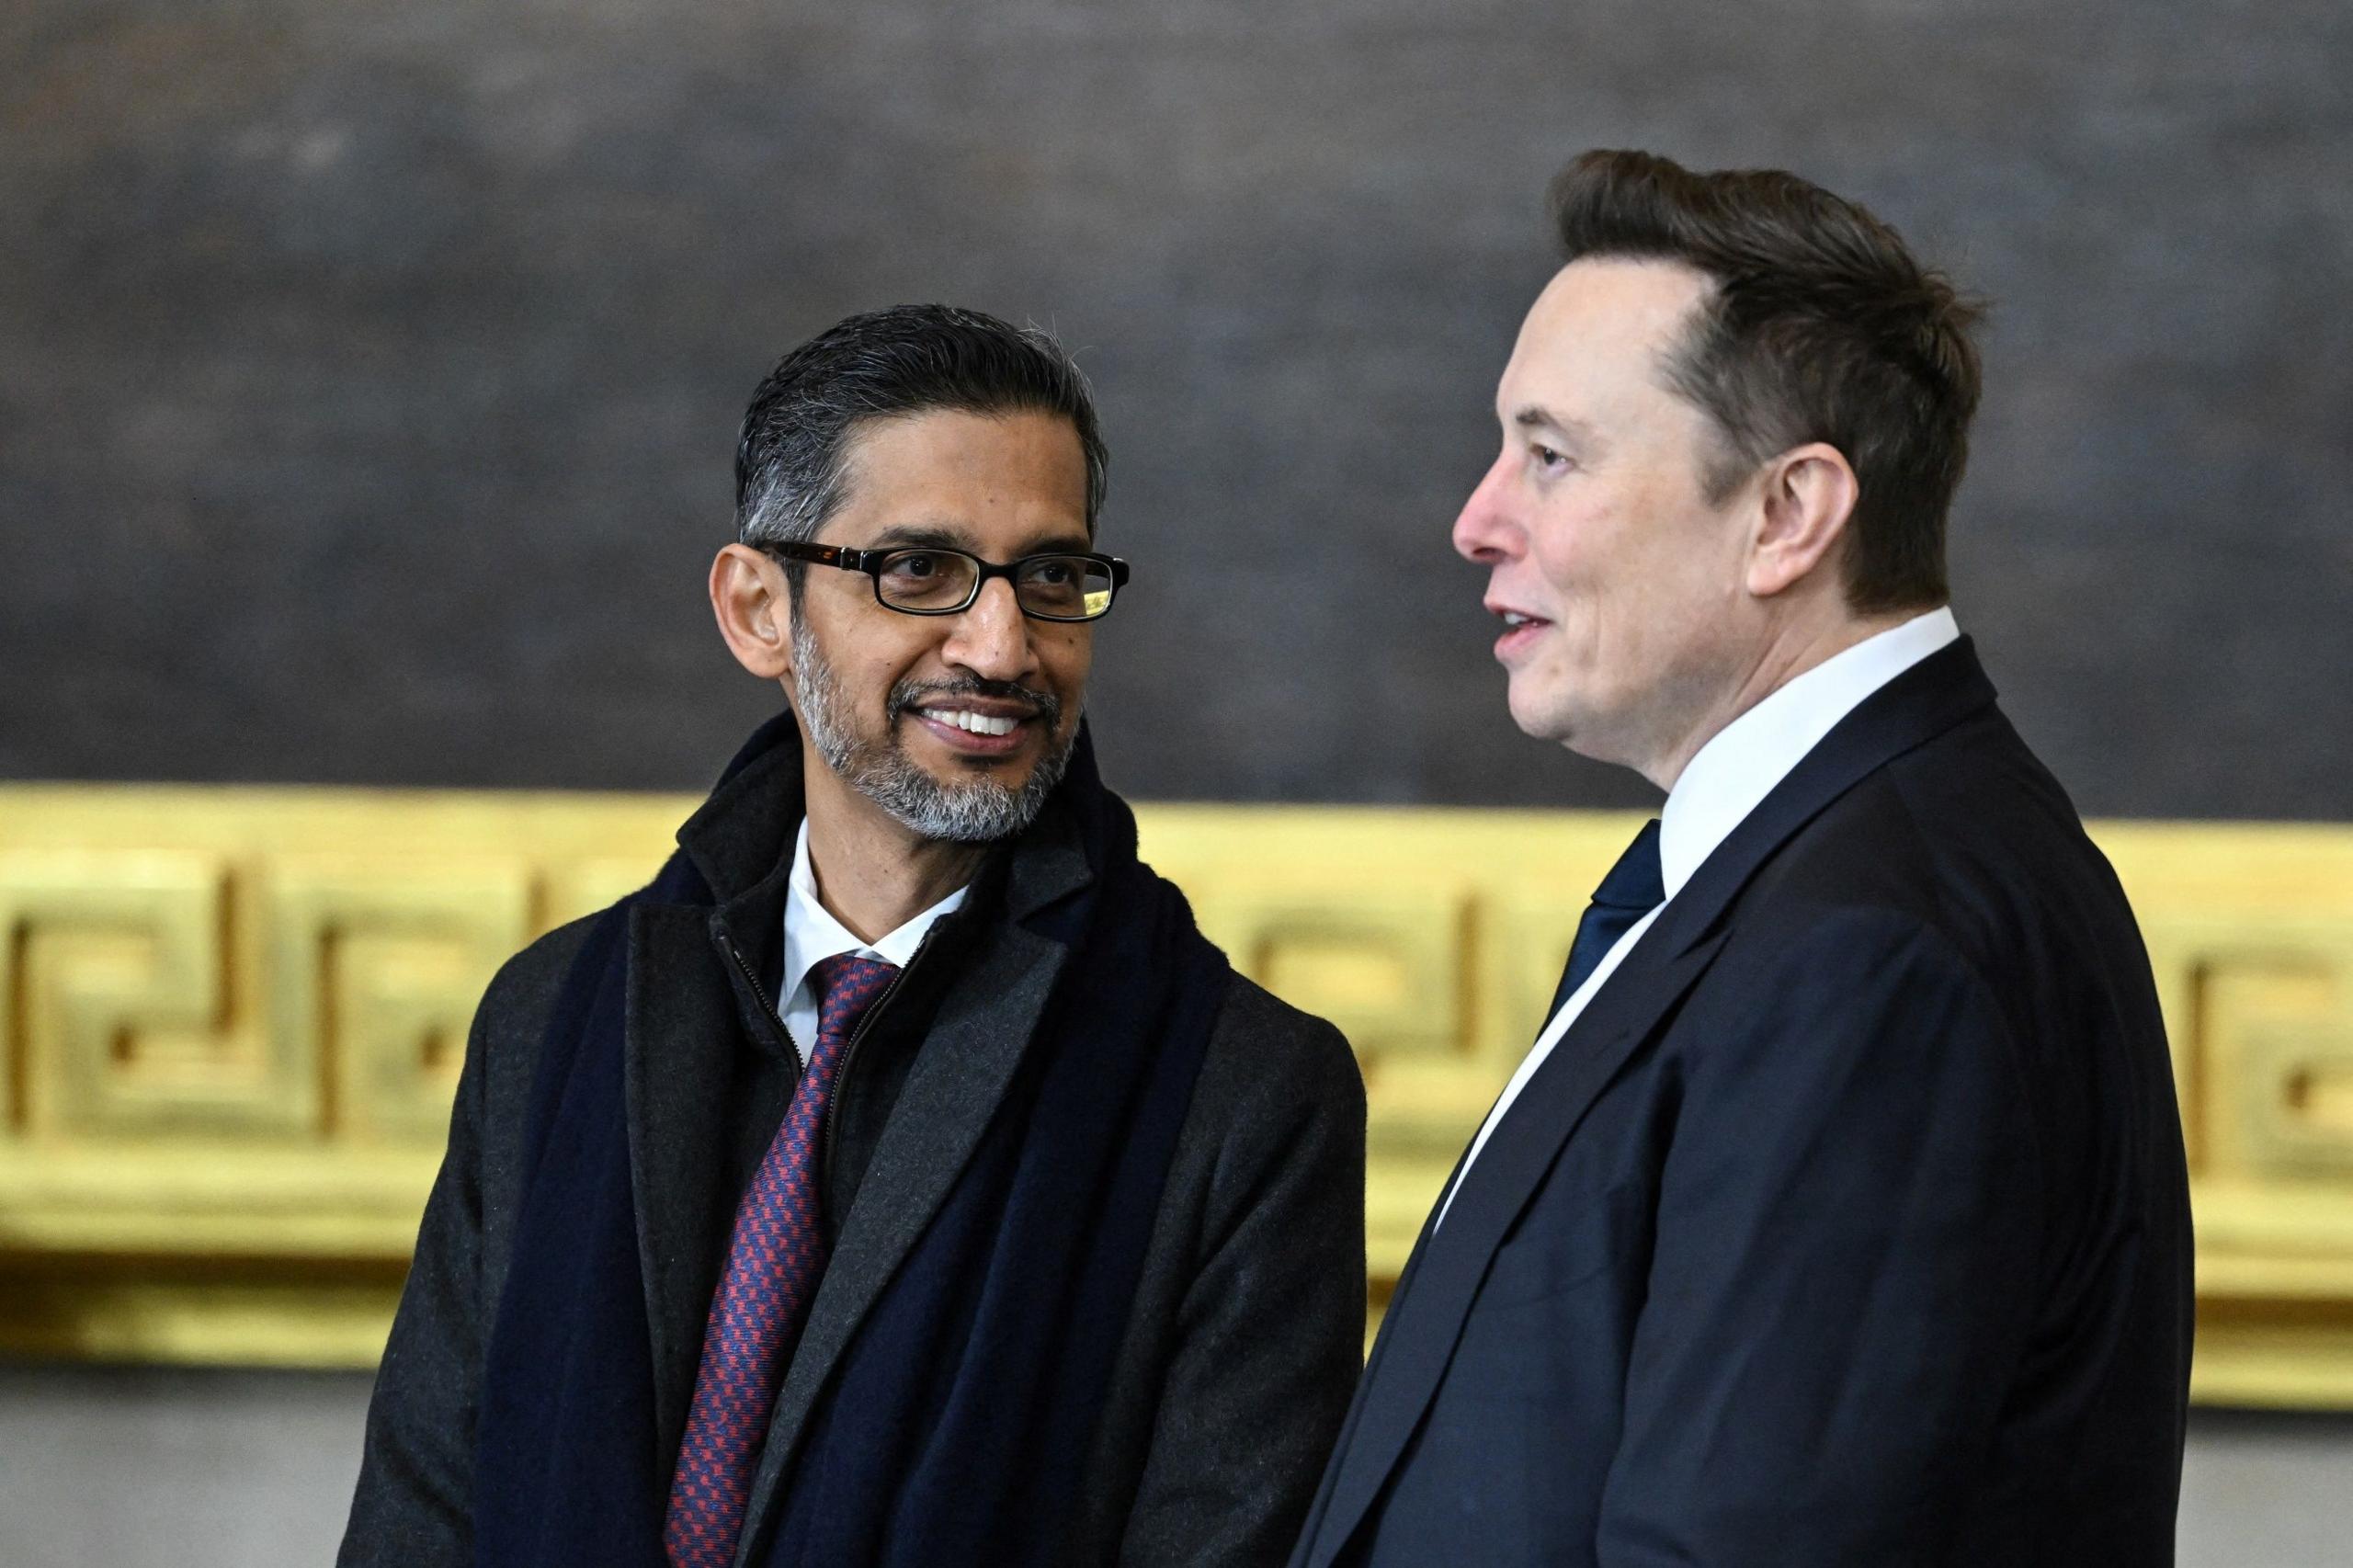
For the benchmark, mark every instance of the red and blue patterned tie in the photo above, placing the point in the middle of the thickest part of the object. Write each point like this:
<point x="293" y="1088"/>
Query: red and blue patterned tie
<point x="774" y="1260"/>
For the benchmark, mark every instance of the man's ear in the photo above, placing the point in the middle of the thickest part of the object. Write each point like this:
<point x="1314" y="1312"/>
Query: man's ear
<point x="755" y="610"/>
<point x="1808" y="493"/>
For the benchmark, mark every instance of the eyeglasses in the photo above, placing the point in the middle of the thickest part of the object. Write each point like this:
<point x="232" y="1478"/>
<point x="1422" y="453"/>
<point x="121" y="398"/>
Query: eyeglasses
<point x="922" y="580"/>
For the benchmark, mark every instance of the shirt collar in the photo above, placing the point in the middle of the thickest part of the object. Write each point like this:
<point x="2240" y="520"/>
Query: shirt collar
<point x="811" y="934"/>
<point x="1741" y="764"/>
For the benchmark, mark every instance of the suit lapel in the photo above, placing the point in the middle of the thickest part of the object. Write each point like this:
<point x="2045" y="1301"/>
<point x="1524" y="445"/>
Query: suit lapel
<point x="1418" y="1335"/>
<point x="680" y="1038"/>
<point x="1322" y="1502"/>
<point x="983" y="1026"/>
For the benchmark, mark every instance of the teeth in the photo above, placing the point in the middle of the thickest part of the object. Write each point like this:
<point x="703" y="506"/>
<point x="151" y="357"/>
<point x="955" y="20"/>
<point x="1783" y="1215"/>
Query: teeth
<point x="978" y="723"/>
<point x="1512" y="618"/>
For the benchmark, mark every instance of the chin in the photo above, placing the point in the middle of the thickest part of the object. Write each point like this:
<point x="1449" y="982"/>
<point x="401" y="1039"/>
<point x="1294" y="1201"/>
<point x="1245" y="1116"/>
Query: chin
<point x="1541" y="715"/>
<point x="1006" y="772"/>
<point x="1579" y="730"/>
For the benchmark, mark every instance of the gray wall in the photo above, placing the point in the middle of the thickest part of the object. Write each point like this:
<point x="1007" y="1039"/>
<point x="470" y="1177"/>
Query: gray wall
<point x="369" y="371"/>
<point x="124" y="1468"/>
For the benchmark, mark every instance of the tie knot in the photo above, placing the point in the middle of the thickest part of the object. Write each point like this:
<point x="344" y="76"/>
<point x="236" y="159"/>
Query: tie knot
<point x="847" y="985"/>
<point x="1636" y="882"/>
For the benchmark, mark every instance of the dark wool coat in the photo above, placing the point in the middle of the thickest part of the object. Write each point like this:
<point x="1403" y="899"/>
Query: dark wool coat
<point x="1243" y="1342"/>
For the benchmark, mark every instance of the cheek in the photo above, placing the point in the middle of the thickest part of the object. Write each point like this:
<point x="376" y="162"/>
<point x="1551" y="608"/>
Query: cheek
<point x="1592" y="586"/>
<point x="883" y="668"/>
<point x="1588" y="543"/>
<point x="1681" y="610"/>
<point x="1559" y="553"/>
<point x="1064" y="657"/>
<point x="1624" y="604"/>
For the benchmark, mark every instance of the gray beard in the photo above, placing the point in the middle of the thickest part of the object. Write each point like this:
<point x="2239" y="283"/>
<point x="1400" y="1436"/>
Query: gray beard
<point x="976" y="811"/>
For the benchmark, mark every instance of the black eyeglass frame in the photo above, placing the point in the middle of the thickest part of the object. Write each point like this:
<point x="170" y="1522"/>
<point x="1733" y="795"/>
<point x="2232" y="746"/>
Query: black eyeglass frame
<point x="871" y="562"/>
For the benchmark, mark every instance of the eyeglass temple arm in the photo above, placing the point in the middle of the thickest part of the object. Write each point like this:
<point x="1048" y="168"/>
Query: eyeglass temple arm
<point x="821" y="554"/>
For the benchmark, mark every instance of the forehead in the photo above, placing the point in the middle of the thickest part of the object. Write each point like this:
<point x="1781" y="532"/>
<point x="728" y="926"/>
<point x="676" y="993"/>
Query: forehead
<point x="993" y="476"/>
<point x="1601" y="320"/>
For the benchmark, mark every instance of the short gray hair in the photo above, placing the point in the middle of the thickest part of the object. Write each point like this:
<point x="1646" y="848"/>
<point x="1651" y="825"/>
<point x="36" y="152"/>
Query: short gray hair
<point x="883" y="364"/>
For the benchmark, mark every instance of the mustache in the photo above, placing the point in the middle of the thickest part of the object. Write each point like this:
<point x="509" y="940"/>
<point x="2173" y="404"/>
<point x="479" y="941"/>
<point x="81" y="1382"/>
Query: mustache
<point x="909" y="694"/>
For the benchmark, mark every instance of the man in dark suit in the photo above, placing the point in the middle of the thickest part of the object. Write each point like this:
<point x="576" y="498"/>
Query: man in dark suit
<point x="1838" y="1214"/>
<point x="901" y="1178"/>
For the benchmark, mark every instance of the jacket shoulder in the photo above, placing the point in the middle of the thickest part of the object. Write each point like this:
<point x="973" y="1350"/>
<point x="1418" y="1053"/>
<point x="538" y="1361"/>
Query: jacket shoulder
<point x="1969" y="834"/>
<point x="510" y="1022"/>
<point x="1279" y="1091"/>
<point x="1270" y="1057"/>
<point x="525" y="989"/>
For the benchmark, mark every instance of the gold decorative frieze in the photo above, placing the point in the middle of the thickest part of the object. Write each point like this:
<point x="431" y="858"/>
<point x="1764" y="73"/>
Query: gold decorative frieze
<point x="230" y="1020"/>
<point x="230" y="1024"/>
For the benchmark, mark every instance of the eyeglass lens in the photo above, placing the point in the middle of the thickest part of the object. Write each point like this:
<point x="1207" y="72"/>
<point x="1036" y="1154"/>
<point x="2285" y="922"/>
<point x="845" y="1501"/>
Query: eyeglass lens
<point x="1070" y="588"/>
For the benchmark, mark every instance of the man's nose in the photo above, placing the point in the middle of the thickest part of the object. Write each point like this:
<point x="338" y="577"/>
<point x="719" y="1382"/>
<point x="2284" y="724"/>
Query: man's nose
<point x="1485" y="531"/>
<point x="990" y="638"/>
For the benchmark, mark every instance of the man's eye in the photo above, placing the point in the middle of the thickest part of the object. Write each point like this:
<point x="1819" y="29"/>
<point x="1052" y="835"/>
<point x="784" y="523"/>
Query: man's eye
<point x="916" y="565"/>
<point x="1053" y="573"/>
<point x="1546" y="457"/>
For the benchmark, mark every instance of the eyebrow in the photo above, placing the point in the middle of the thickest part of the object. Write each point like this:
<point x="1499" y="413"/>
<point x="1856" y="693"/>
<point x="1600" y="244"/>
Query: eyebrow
<point x="937" y="536"/>
<point x="1535" y="416"/>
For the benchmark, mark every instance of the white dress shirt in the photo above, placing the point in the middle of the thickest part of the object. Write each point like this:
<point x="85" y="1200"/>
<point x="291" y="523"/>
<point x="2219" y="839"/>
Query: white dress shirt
<point x="1727" y="780"/>
<point x="811" y="934"/>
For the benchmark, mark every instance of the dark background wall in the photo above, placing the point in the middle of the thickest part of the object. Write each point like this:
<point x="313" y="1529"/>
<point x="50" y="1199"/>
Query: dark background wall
<point x="369" y="371"/>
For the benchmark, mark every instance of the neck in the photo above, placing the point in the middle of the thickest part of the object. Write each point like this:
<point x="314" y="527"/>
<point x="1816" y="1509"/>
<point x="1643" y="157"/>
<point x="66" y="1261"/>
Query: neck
<point x="872" y="874"/>
<point x="1765" y="670"/>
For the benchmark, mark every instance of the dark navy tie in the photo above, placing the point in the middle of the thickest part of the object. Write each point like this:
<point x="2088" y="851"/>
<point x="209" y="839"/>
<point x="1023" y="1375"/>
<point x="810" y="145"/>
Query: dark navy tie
<point x="1632" y="889"/>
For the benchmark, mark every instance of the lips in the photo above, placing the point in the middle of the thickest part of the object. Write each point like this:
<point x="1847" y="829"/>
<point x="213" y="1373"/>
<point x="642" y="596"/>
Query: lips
<point x="1522" y="629"/>
<point x="973" y="720"/>
<point x="976" y="727"/>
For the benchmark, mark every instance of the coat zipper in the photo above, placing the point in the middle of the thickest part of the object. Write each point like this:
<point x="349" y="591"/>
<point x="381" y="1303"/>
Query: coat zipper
<point x="767" y="1013"/>
<point x="849" y="1049"/>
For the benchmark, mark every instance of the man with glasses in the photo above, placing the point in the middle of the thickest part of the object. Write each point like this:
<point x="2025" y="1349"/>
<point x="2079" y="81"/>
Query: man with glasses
<point x="900" y="1178"/>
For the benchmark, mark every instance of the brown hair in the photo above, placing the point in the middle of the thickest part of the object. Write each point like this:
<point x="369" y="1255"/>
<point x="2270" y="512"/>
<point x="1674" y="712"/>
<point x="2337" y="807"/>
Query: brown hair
<point x="1822" y="327"/>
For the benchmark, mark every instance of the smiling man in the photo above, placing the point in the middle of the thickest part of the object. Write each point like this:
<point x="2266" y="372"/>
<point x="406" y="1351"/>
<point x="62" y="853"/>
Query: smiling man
<point x="901" y="1178"/>
<point x="1837" y="1214"/>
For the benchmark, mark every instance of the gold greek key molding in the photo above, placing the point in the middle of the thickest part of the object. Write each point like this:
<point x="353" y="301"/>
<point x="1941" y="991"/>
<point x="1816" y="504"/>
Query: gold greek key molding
<point x="230" y="1020"/>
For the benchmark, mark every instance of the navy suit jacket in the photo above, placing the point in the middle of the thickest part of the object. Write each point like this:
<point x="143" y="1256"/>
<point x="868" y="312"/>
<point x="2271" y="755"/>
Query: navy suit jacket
<point x="1848" y="1224"/>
